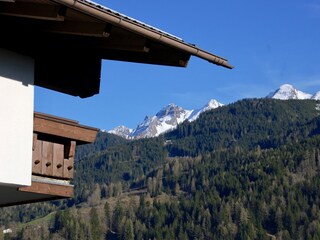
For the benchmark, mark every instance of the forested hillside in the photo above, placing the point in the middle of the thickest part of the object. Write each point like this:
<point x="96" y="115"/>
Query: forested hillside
<point x="249" y="170"/>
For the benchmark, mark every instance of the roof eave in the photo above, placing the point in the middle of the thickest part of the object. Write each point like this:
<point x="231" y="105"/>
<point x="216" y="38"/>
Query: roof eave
<point x="151" y="33"/>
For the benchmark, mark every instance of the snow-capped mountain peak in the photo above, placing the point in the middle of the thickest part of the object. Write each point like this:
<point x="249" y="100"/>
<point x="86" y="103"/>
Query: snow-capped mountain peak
<point x="287" y="91"/>
<point x="121" y="131"/>
<point x="212" y="104"/>
<point x="170" y="110"/>
<point x="165" y="120"/>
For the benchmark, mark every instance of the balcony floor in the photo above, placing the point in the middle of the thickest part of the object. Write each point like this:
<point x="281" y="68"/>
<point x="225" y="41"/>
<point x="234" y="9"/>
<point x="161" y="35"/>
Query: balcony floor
<point x="41" y="189"/>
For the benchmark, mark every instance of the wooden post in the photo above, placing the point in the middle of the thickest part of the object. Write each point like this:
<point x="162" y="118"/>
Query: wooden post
<point x="69" y="160"/>
<point x="36" y="155"/>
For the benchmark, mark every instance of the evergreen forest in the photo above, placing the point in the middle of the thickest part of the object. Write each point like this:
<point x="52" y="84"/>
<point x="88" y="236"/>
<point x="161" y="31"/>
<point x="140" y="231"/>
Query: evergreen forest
<point x="248" y="170"/>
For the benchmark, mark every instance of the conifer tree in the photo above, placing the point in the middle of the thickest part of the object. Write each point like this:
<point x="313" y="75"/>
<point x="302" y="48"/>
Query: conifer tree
<point x="128" y="231"/>
<point x="107" y="215"/>
<point x="95" y="224"/>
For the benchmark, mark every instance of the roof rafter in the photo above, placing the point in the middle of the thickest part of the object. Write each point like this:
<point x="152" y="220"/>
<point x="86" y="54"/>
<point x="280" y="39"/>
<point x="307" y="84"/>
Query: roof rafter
<point x="33" y="10"/>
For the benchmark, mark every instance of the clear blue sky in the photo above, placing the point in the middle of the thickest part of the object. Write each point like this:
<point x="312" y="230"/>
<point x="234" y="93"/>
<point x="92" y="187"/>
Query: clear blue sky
<point x="269" y="42"/>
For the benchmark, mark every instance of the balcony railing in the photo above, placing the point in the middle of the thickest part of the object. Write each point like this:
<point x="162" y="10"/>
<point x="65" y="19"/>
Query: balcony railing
<point x="54" y="145"/>
<point x="53" y="151"/>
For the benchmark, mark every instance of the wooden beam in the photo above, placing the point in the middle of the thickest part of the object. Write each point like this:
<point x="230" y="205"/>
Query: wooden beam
<point x="32" y="10"/>
<point x="60" y="127"/>
<point x="49" y="189"/>
<point x="90" y="29"/>
<point x="154" y="56"/>
<point x="99" y="38"/>
<point x="125" y="41"/>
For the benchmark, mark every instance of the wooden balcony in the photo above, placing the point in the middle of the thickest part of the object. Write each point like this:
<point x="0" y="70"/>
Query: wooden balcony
<point x="54" y="145"/>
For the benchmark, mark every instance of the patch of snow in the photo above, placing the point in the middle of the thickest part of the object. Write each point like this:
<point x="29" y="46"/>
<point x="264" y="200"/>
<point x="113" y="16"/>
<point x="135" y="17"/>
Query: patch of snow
<point x="316" y="96"/>
<point x="287" y="91"/>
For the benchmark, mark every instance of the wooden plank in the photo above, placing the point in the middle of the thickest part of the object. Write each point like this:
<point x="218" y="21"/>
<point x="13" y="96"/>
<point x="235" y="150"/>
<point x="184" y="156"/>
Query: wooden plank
<point x="68" y="163"/>
<point x="58" y="157"/>
<point x="94" y="29"/>
<point x="68" y="168"/>
<point x="49" y="189"/>
<point x="53" y="118"/>
<point x="35" y="138"/>
<point x="70" y="131"/>
<point x="47" y="158"/>
<point x="37" y="155"/>
<point x="72" y="149"/>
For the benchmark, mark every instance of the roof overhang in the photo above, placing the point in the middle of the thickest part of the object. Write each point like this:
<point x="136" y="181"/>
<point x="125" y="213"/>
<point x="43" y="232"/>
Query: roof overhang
<point x="69" y="38"/>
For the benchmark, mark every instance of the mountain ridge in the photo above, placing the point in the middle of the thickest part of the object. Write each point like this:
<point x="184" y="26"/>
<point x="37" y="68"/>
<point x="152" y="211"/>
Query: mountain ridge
<point x="170" y="116"/>
<point x="165" y="120"/>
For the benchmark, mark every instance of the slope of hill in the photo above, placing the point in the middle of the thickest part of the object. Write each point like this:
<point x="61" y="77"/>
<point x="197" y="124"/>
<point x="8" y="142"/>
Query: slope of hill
<point x="249" y="170"/>
<point x="102" y="141"/>
<point x="246" y="123"/>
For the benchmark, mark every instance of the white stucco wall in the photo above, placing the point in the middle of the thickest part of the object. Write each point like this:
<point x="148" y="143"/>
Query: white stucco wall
<point x="16" y="118"/>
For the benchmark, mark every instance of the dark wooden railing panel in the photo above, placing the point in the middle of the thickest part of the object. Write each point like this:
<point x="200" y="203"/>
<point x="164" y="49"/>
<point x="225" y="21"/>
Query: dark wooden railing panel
<point x="53" y="159"/>
<point x="54" y="145"/>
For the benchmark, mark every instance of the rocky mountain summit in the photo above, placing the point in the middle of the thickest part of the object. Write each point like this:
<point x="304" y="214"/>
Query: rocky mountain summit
<point x="165" y="120"/>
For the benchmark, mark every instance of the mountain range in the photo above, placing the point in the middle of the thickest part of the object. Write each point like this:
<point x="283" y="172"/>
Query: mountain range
<point x="169" y="117"/>
<point x="165" y="120"/>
